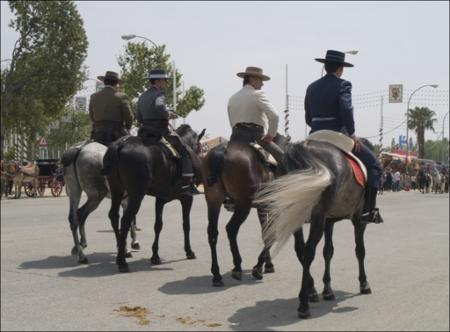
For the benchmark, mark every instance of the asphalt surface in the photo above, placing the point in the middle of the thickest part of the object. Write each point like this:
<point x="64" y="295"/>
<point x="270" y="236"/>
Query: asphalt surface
<point x="44" y="288"/>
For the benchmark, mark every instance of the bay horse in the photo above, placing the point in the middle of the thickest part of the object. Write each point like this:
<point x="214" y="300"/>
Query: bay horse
<point x="235" y="171"/>
<point x="82" y="164"/>
<point x="22" y="175"/>
<point x="140" y="170"/>
<point x="320" y="189"/>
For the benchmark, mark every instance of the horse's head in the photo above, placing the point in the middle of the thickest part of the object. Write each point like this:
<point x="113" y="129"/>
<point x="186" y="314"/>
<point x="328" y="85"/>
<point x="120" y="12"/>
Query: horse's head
<point x="190" y="137"/>
<point x="282" y="141"/>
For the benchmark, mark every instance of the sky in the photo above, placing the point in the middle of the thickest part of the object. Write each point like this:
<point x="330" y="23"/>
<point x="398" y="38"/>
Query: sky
<point x="397" y="42"/>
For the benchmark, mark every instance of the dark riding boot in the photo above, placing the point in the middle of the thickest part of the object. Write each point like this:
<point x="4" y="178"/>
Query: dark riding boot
<point x="187" y="172"/>
<point x="371" y="213"/>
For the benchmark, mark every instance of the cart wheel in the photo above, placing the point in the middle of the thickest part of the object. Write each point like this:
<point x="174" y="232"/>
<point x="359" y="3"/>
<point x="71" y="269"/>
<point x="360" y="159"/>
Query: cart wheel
<point x="41" y="189"/>
<point x="28" y="189"/>
<point x="56" y="188"/>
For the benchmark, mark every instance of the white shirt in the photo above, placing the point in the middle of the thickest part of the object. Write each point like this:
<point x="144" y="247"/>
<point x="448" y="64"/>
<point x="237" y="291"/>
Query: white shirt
<point x="249" y="105"/>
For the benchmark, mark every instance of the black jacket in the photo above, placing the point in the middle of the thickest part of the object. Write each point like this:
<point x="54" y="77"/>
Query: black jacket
<point x="328" y="105"/>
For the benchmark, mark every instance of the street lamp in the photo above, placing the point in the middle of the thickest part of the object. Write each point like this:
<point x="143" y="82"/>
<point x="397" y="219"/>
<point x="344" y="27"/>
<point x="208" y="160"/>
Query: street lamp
<point x="443" y="123"/>
<point x="407" y="116"/>
<point x="131" y="36"/>
<point x="352" y="52"/>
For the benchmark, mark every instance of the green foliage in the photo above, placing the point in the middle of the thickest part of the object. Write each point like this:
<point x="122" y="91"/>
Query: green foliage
<point x="73" y="127"/>
<point x="136" y="62"/>
<point x="421" y="119"/>
<point x="437" y="150"/>
<point x="10" y="153"/>
<point x="46" y="68"/>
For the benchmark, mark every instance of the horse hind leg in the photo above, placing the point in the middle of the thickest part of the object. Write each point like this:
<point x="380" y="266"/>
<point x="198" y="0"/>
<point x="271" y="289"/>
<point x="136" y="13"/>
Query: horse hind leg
<point x="264" y="257"/>
<point x="83" y="212"/>
<point x="74" y="191"/>
<point x="134" y="242"/>
<point x="240" y="214"/>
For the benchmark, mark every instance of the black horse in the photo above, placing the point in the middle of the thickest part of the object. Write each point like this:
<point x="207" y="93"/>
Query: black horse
<point x="321" y="189"/>
<point x="136" y="170"/>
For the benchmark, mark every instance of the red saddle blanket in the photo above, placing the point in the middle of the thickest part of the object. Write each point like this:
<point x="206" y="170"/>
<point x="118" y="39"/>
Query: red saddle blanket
<point x="357" y="171"/>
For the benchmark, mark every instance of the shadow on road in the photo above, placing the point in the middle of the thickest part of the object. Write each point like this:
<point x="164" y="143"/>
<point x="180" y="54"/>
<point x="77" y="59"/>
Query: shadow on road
<point x="100" y="265"/>
<point x="268" y="315"/>
<point x="203" y="284"/>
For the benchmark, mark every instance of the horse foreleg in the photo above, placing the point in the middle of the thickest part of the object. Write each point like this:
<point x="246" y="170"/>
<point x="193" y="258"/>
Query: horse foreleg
<point x="328" y="251"/>
<point x="315" y="234"/>
<point x="360" y="251"/>
<point x="159" y="206"/>
<point x="186" y="204"/>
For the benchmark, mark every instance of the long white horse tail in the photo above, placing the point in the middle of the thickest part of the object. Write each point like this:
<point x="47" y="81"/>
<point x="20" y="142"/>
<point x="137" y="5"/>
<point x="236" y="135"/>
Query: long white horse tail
<point x="289" y="201"/>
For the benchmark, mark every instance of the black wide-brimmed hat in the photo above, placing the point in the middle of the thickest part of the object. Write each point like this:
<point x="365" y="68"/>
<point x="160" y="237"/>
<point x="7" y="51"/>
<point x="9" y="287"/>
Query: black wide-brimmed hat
<point x="158" y="74"/>
<point x="335" y="57"/>
<point x="110" y="75"/>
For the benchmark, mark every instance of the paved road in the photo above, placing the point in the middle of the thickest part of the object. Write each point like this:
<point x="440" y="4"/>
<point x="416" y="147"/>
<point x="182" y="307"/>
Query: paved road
<point x="43" y="287"/>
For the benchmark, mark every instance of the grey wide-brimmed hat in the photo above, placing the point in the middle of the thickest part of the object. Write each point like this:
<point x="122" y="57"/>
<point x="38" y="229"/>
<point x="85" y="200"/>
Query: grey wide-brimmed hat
<point x="158" y="74"/>
<point x="110" y="75"/>
<point x="335" y="57"/>
<point x="253" y="71"/>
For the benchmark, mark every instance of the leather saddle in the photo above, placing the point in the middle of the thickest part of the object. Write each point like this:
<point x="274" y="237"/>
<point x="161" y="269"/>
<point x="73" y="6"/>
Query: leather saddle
<point x="345" y="144"/>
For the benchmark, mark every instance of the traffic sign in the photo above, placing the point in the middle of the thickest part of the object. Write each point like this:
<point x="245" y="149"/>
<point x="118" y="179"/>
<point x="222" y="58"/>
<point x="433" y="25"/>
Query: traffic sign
<point x="43" y="143"/>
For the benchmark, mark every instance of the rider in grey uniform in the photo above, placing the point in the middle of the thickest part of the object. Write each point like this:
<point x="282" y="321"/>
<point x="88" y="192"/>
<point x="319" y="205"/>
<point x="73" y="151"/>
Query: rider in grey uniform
<point x="153" y="116"/>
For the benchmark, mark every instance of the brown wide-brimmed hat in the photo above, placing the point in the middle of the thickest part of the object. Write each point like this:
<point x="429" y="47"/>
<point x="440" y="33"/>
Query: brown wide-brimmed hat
<point x="110" y="75"/>
<point x="253" y="71"/>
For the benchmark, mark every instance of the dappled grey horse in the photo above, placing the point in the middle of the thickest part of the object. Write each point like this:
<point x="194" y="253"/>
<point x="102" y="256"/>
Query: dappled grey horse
<point x="82" y="164"/>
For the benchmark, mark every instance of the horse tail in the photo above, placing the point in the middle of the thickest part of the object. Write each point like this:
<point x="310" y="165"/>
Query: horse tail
<point x="216" y="158"/>
<point x="110" y="158"/>
<point x="290" y="199"/>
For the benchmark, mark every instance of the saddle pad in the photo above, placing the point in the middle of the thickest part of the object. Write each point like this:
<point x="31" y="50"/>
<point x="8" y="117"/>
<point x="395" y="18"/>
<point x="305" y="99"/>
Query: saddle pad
<point x="357" y="171"/>
<point x="341" y="141"/>
<point x="169" y="147"/>
<point x="267" y="157"/>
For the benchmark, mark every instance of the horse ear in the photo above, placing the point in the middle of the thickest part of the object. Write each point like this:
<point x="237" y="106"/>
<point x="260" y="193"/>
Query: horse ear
<point x="201" y="134"/>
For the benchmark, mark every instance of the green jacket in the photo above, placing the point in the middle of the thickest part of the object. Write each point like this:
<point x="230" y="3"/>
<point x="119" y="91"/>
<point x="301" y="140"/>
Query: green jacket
<point x="110" y="105"/>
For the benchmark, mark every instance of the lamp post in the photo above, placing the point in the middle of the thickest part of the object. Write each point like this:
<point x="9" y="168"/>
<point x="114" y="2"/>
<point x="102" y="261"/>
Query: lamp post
<point x="352" y="52"/>
<point x="131" y="36"/>
<point x="443" y="123"/>
<point x="407" y="116"/>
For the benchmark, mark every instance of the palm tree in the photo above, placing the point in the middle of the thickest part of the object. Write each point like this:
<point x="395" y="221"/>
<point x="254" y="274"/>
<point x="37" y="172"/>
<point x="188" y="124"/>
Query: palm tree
<point x="421" y="119"/>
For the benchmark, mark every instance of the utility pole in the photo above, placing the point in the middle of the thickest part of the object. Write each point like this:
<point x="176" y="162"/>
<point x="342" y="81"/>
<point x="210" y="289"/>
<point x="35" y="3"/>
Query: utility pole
<point x="381" y="122"/>
<point x="174" y="121"/>
<point x="286" y="111"/>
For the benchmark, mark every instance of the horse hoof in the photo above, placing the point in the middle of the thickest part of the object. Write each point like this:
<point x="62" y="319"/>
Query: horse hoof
<point x="128" y="255"/>
<point x="366" y="290"/>
<point x="328" y="296"/>
<point x="74" y="251"/>
<point x="313" y="297"/>
<point x="191" y="255"/>
<point x="218" y="283"/>
<point x="123" y="268"/>
<point x="135" y="246"/>
<point x="155" y="260"/>
<point x="303" y="312"/>
<point x="83" y="260"/>
<point x="236" y="275"/>
<point x="257" y="273"/>
<point x="269" y="269"/>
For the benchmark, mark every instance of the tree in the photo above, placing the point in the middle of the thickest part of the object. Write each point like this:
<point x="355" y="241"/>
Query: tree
<point x="46" y="67"/>
<point x="136" y="62"/>
<point x="437" y="150"/>
<point x="73" y="127"/>
<point x="421" y="119"/>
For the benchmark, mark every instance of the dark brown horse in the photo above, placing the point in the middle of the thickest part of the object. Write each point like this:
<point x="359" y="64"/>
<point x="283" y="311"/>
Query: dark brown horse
<point x="136" y="170"/>
<point x="235" y="171"/>
<point x="321" y="189"/>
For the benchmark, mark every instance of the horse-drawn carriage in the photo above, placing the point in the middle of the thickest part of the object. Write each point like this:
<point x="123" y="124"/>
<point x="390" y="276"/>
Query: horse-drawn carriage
<point x="50" y="176"/>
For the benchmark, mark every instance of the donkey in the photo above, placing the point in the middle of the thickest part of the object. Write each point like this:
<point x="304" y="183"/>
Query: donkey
<point x="140" y="170"/>
<point x="321" y="189"/>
